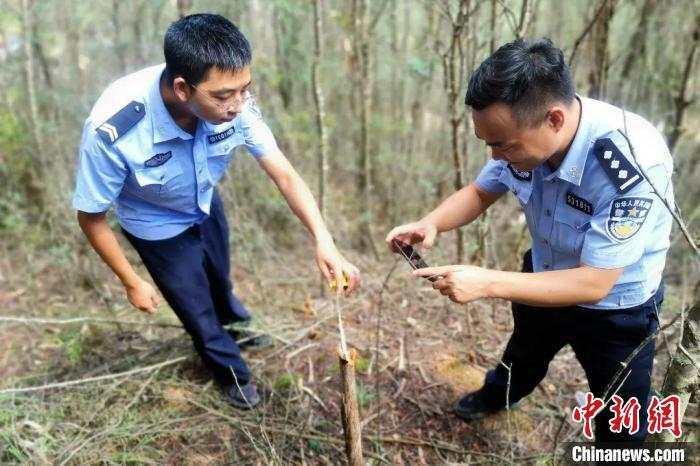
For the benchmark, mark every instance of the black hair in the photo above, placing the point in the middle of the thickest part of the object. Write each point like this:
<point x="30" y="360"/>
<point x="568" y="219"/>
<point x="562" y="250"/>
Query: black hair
<point x="526" y="75"/>
<point x="195" y="43"/>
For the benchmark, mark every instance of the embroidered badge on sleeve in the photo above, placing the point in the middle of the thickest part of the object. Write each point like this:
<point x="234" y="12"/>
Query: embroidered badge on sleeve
<point x="627" y="215"/>
<point x="521" y="175"/>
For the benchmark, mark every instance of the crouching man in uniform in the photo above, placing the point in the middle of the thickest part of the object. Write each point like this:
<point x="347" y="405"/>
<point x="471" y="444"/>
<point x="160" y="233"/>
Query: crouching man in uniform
<point x="592" y="180"/>
<point x="155" y="144"/>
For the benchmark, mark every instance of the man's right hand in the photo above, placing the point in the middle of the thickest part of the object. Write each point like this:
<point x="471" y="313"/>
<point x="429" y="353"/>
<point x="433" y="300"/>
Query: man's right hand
<point x="143" y="296"/>
<point x="411" y="233"/>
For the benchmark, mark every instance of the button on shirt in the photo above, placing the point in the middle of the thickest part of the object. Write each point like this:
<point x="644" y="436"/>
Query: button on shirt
<point x="159" y="177"/>
<point x="578" y="216"/>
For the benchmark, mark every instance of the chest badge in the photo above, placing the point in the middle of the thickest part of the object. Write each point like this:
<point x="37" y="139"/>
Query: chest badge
<point x="158" y="159"/>
<point x="218" y="137"/>
<point x="627" y="215"/>
<point x="579" y="203"/>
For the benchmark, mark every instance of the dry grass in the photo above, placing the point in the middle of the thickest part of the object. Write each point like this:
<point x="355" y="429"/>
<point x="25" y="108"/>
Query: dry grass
<point x="430" y="352"/>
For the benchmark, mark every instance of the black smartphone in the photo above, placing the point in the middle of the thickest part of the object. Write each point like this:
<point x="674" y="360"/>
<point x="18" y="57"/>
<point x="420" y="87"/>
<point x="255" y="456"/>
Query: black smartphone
<point x="412" y="257"/>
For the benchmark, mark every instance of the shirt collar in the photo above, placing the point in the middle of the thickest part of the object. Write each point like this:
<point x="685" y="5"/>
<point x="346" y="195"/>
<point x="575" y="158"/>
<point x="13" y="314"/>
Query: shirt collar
<point x="571" y="168"/>
<point x="164" y="127"/>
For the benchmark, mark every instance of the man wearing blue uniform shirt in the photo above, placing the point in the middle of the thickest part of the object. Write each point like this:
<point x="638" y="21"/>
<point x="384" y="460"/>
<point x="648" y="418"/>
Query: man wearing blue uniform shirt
<point x="155" y="144"/>
<point x="592" y="181"/>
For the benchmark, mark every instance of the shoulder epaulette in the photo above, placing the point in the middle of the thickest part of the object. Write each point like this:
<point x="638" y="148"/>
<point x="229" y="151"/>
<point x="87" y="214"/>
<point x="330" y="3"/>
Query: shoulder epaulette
<point x="620" y="170"/>
<point x="121" y="122"/>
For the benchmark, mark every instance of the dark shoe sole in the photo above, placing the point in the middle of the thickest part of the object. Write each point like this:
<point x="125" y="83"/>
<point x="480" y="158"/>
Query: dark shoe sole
<point x="251" y="342"/>
<point x="474" y="416"/>
<point x="244" y="404"/>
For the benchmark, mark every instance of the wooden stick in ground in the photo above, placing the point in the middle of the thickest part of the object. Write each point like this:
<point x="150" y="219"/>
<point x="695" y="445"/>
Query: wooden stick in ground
<point x="349" y="412"/>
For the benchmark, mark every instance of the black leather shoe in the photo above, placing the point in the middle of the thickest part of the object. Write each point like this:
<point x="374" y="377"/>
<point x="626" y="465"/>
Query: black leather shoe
<point x="473" y="406"/>
<point x="247" y="339"/>
<point x="244" y="398"/>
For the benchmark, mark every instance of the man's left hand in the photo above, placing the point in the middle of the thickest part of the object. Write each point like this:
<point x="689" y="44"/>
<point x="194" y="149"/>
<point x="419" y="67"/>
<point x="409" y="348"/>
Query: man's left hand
<point x="461" y="283"/>
<point x="334" y="267"/>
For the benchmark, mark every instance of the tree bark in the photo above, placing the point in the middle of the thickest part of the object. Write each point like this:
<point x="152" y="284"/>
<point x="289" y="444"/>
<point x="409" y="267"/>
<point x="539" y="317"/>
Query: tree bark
<point x="365" y="83"/>
<point x="319" y="101"/>
<point x="682" y="101"/>
<point x="638" y="44"/>
<point x="492" y="20"/>
<point x="451" y="69"/>
<point x="183" y="8"/>
<point x="526" y="9"/>
<point x="119" y="45"/>
<point x="350" y="413"/>
<point x="682" y="376"/>
<point x="601" y="58"/>
<point x="36" y="193"/>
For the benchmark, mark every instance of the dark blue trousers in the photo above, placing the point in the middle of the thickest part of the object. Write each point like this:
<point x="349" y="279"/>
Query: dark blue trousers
<point x="192" y="272"/>
<point x="601" y="340"/>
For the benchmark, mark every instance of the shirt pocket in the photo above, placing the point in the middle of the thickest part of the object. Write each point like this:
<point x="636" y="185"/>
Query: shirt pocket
<point x="158" y="180"/>
<point x="219" y="156"/>
<point x="568" y="234"/>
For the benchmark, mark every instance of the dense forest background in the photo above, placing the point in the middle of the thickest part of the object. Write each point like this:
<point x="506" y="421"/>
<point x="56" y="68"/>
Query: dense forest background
<point x="366" y="99"/>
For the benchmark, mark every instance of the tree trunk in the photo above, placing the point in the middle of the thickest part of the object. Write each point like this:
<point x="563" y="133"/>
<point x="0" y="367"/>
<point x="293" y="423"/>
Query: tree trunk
<point x="451" y="68"/>
<point x="350" y="413"/>
<point x="119" y="45"/>
<point x="638" y="43"/>
<point x="682" y="376"/>
<point x="319" y="101"/>
<point x="682" y="101"/>
<point x="601" y="58"/>
<point x="492" y="20"/>
<point x="365" y="84"/>
<point x="526" y="9"/>
<point x="35" y="190"/>
<point x="284" y="40"/>
<point x="183" y="8"/>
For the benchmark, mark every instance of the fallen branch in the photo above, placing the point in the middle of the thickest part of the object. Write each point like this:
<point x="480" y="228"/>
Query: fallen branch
<point x="78" y="320"/>
<point x="71" y="383"/>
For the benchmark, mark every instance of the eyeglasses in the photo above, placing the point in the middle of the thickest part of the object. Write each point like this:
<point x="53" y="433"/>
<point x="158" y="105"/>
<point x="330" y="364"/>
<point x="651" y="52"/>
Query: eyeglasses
<point x="228" y="102"/>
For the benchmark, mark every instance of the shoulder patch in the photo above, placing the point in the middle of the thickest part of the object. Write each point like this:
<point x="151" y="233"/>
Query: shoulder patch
<point x="522" y="176"/>
<point x="620" y="170"/>
<point x="579" y="203"/>
<point x="121" y="122"/>
<point x="627" y="215"/>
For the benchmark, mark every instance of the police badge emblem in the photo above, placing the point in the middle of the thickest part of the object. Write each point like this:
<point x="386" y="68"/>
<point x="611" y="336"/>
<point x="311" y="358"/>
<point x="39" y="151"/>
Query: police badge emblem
<point x="627" y="215"/>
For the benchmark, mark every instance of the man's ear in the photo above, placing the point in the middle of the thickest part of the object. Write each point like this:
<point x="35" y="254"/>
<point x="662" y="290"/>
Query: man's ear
<point x="555" y="118"/>
<point x="182" y="90"/>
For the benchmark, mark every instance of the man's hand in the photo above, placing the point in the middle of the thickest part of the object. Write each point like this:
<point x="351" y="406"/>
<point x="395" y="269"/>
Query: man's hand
<point x="417" y="232"/>
<point x="334" y="266"/>
<point x="143" y="296"/>
<point x="461" y="283"/>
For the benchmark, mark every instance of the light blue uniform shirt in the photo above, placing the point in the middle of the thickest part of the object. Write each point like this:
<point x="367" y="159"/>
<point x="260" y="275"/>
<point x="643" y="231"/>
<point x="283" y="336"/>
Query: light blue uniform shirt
<point x="159" y="177"/>
<point x="599" y="207"/>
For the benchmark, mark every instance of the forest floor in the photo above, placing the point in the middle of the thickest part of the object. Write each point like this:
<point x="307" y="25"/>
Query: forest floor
<point x="418" y="354"/>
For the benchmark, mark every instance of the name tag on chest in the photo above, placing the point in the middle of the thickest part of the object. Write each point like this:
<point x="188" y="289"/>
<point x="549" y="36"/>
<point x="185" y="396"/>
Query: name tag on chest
<point x="218" y="137"/>
<point x="579" y="203"/>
